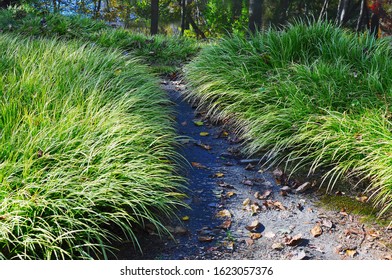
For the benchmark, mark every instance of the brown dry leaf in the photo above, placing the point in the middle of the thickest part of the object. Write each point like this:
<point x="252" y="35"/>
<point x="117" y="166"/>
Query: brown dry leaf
<point x="249" y="242"/>
<point x="265" y="194"/>
<point x="223" y="214"/>
<point x="283" y="193"/>
<point x="246" y="202"/>
<point x="351" y="253"/>
<point x="204" y="146"/>
<point x="225" y="185"/>
<point x="362" y="198"/>
<point x="230" y="194"/>
<point x="279" y="205"/>
<point x="204" y="133"/>
<point x="253" y="226"/>
<point x="198" y="165"/>
<point x="255" y="235"/>
<point x="373" y="233"/>
<point x="293" y="241"/>
<point x="207" y="238"/>
<point x="316" y="230"/>
<point x="247" y="182"/>
<point x="226" y="224"/>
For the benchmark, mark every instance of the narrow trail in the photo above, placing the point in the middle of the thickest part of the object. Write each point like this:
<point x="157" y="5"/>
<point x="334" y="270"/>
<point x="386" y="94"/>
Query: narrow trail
<point x="239" y="211"/>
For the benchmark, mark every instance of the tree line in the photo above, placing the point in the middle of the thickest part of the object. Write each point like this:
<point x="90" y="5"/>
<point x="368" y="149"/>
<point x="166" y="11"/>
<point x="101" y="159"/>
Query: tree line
<point x="206" y="18"/>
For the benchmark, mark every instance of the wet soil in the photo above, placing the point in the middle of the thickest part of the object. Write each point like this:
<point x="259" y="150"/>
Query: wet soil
<point x="240" y="211"/>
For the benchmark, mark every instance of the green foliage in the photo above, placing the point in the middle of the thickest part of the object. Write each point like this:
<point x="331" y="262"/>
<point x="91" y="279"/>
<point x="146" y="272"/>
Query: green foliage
<point x="313" y="96"/>
<point x="167" y="51"/>
<point x="86" y="150"/>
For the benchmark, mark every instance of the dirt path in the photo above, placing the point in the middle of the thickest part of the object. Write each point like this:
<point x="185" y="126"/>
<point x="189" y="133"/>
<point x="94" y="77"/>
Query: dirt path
<point x="239" y="211"/>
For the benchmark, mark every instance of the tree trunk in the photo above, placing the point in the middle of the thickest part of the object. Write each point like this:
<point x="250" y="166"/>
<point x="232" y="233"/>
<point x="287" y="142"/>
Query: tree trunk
<point x="255" y="15"/>
<point x="198" y="32"/>
<point x="323" y="13"/>
<point x="154" y="16"/>
<point x="342" y="11"/>
<point x="237" y="9"/>
<point x="363" y="16"/>
<point x="183" y="16"/>
<point x="374" y="25"/>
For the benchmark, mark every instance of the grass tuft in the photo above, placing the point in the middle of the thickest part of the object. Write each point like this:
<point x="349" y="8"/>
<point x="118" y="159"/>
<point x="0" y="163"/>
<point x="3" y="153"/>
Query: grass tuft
<point x="86" y="150"/>
<point x="312" y="96"/>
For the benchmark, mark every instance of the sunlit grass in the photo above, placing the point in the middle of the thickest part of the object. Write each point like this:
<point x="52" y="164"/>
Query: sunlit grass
<point x="165" y="54"/>
<point x="313" y="96"/>
<point x="86" y="150"/>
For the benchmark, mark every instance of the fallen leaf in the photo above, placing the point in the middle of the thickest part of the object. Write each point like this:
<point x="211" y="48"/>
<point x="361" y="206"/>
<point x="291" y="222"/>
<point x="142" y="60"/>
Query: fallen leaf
<point x="225" y="225"/>
<point x="265" y="194"/>
<point x="204" y="133"/>
<point x="198" y="165"/>
<point x="229" y="245"/>
<point x="277" y="246"/>
<point x="223" y="134"/>
<point x="300" y="256"/>
<point x="269" y="234"/>
<point x="316" y="231"/>
<point x="230" y="194"/>
<point x="184" y="123"/>
<point x="277" y="172"/>
<point x="218" y="175"/>
<point x="180" y="230"/>
<point x="388" y="257"/>
<point x="293" y="241"/>
<point x="249" y="242"/>
<point x="362" y="198"/>
<point x="351" y="253"/>
<point x="326" y="223"/>
<point x="225" y="185"/>
<point x="205" y="238"/>
<point x="373" y="233"/>
<point x="279" y="205"/>
<point x="246" y="202"/>
<point x="223" y="214"/>
<point x="185" y="218"/>
<point x="253" y="226"/>
<point x="255" y="235"/>
<point x="247" y="182"/>
<point x="255" y="208"/>
<point x="198" y="122"/>
<point x="303" y="187"/>
<point x="249" y="166"/>
<point x="204" y="146"/>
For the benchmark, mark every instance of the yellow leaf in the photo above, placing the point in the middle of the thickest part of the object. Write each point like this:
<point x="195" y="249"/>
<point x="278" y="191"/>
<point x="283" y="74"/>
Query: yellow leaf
<point x="219" y="175"/>
<point x="204" y="133"/>
<point x="185" y="218"/>
<point x="223" y="213"/>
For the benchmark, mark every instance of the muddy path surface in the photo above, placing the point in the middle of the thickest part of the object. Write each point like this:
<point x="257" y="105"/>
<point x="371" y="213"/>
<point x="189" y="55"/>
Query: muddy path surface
<point x="240" y="211"/>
